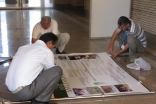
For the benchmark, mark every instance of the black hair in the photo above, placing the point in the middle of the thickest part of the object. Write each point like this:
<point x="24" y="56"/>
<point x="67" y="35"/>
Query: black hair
<point x="49" y="37"/>
<point x="44" y="17"/>
<point x="123" y="21"/>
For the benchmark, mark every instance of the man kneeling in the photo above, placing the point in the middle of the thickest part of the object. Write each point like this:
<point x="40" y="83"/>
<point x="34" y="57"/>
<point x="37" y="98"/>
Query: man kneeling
<point x="26" y="78"/>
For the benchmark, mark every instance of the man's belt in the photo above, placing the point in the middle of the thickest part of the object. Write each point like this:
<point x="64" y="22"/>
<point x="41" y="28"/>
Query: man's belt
<point x="17" y="90"/>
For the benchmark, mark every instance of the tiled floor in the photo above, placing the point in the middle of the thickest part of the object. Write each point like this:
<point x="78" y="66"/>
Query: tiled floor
<point x="15" y="30"/>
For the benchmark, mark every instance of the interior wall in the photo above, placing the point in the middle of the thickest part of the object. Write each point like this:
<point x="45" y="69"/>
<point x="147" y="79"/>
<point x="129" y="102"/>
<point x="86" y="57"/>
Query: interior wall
<point x="104" y="15"/>
<point x="144" y="12"/>
<point x="70" y="2"/>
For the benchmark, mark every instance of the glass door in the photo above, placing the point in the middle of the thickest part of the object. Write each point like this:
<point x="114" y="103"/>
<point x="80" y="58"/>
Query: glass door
<point x="9" y="4"/>
<point x="37" y="3"/>
<point x="25" y="4"/>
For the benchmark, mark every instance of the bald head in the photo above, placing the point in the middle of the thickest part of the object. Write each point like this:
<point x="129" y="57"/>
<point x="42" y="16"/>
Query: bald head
<point x="45" y="18"/>
<point x="45" y="22"/>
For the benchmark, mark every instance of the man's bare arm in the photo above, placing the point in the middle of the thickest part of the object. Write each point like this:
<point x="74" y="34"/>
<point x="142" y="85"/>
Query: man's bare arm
<point x="33" y="40"/>
<point x="114" y="36"/>
<point x="121" y="51"/>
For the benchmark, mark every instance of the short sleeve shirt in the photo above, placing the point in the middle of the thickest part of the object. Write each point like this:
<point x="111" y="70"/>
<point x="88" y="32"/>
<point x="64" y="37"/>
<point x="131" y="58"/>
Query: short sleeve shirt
<point x="138" y="32"/>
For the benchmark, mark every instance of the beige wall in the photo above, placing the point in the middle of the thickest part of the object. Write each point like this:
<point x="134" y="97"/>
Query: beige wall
<point x="104" y="15"/>
<point x="144" y="12"/>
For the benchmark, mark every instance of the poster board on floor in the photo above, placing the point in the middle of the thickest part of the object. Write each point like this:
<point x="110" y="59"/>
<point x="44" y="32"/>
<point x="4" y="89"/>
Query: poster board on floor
<point x="94" y="75"/>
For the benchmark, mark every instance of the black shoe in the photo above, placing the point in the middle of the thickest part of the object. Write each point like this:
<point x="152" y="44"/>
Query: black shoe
<point x="58" y="52"/>
<point x="125" y="54"/>
<point x="34" y="101"/>
<point x="63" y="52"/>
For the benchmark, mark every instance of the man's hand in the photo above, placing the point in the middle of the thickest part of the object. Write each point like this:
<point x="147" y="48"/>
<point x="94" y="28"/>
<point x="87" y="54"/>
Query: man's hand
<point x="113" y="38"/>
<point x="110" y="49"/>
<point x="115" y="55"/>
<point x="121" y="51"/>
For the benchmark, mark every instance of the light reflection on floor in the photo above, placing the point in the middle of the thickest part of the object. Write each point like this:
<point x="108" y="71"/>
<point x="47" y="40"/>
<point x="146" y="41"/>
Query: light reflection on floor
<point x="4" y="33"/>
<point x="20" y="24"/>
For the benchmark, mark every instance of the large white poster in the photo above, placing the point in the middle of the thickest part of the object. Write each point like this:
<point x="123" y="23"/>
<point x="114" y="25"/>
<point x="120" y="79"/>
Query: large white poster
<point x="96" y="75"/>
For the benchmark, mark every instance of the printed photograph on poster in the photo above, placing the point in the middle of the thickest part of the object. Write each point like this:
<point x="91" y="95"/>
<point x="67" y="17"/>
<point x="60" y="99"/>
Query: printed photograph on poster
<point x="79" y="57"/>
<point x="123" y="88"/>
<point x="94" y="91"/>
<point x="81" y="91"/>
<point x="73" y="57"/>
<point x="62" y="57"/>
<point x="109" y="89"/>
<point x="93" y="56"/>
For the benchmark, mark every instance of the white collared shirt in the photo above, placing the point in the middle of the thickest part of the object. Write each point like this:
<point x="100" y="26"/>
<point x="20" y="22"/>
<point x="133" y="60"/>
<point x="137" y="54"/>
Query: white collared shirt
<point x="28" y="63"/>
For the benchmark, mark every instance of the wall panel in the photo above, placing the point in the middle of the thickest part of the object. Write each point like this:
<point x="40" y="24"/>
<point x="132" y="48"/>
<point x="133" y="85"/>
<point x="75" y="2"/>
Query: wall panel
<point x="144" y="12"/>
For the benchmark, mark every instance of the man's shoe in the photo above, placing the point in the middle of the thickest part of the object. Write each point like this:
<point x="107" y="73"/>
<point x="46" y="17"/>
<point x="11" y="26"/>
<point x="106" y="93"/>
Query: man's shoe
<point x="58" y="52"/>
<point x="34" y="101"/>
<point x="63" y="52"/>
<point x="124" y="54"/>
<point x="132" y="60"/>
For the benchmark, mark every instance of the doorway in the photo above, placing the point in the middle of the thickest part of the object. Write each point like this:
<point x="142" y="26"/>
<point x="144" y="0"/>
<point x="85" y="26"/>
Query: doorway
<point x="25" y="4"/>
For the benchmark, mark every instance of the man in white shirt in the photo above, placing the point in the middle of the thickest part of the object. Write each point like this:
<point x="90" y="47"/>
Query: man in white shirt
<point x="26" y="78"/>
<point x="50" y="25"/>
<point x="131" y="38"/>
